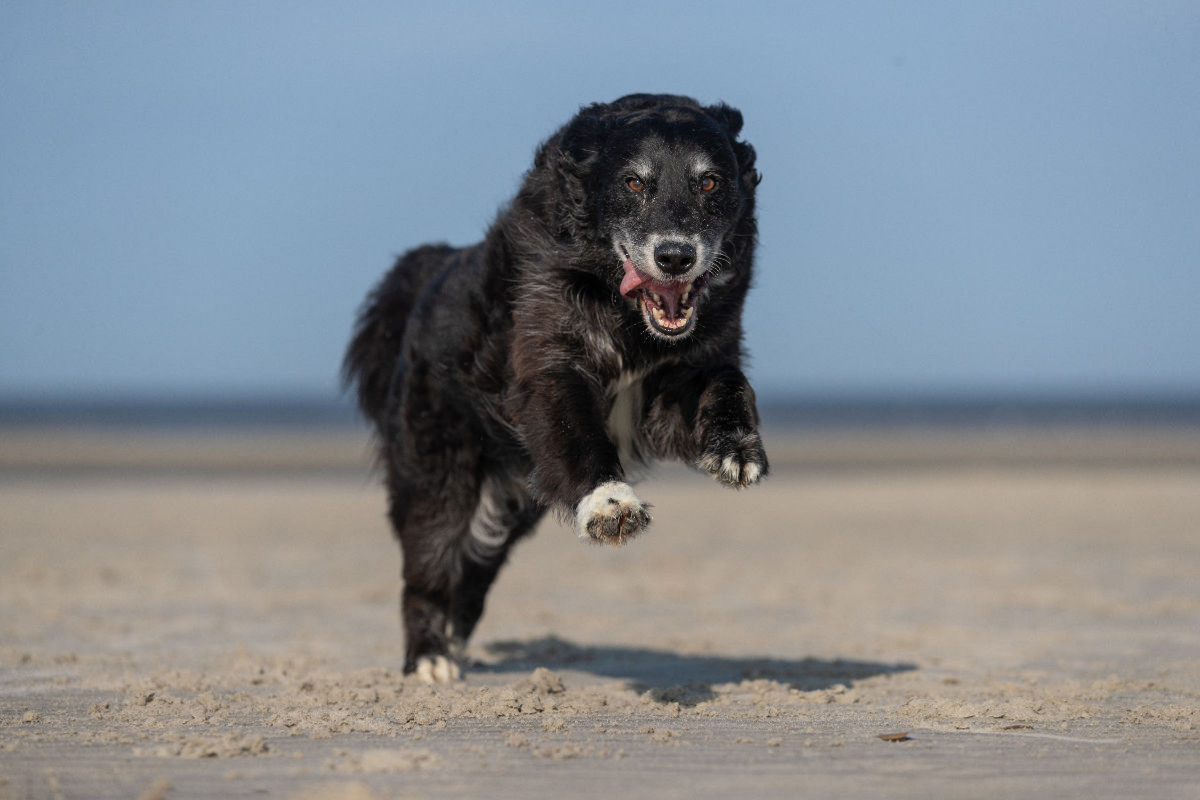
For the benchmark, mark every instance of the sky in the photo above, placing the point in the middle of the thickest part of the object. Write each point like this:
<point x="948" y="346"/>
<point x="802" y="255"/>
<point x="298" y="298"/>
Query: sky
<point x="958" y="198"/>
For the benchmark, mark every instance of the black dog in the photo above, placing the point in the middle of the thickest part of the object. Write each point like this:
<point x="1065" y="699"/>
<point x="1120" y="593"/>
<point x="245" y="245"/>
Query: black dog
<point x="596" y="327"/>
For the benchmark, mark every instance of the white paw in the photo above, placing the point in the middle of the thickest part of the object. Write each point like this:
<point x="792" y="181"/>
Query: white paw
<point x="737" y="460"/>
<point x="738" y="472"/>
<point x="611" y="513"/>
<point x="436" y="669"/>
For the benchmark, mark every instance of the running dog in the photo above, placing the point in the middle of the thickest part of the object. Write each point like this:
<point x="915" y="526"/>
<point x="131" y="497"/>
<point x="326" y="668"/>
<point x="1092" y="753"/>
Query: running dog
<point x="596" y="328"/>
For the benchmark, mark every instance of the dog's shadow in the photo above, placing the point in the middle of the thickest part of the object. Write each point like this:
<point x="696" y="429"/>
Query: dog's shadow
<point x="668" y="676"/>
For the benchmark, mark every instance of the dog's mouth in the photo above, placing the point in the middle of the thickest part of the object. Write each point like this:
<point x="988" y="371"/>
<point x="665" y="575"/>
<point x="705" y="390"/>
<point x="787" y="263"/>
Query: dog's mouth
<point x="669" y="308"/>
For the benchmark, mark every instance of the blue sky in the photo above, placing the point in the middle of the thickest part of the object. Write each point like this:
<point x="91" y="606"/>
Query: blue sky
<point x="958" y="197"/>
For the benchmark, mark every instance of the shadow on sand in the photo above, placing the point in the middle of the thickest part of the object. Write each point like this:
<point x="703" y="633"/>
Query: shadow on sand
<point x="668" y="676"/>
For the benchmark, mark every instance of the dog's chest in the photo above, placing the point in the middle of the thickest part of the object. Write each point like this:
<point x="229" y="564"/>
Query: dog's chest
<point x="625" y="418"/>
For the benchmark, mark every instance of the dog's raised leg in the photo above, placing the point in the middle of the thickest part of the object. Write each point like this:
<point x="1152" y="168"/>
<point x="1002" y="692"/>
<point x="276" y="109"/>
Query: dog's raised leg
<point x="731" y="449"/>
<point x="708" y="418"/>
<point x="576" y="464"/>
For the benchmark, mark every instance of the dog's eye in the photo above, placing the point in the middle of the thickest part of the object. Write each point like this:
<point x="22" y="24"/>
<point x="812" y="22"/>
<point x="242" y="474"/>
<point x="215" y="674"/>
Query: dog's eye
<point x="708" y="183"/>
<point x="635" y="184"/>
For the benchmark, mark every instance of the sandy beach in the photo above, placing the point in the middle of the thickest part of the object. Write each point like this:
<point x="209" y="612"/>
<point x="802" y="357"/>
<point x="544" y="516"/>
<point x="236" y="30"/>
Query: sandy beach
<point x="933" y="615"/>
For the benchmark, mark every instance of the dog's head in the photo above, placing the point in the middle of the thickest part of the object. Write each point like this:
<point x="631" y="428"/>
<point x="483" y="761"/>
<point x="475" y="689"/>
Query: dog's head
<point x="662" y="183"/>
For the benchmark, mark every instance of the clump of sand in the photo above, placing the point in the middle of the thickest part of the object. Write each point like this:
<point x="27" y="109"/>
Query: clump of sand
<point x="229" y="745"/>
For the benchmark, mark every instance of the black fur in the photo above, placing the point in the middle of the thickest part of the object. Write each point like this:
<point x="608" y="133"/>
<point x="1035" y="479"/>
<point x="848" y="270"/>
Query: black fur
<point x="494" y="374"/>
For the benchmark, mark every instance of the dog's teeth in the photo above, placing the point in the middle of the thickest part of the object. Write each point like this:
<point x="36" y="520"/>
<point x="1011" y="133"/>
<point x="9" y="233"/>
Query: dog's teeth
<point x="655" y="307"/>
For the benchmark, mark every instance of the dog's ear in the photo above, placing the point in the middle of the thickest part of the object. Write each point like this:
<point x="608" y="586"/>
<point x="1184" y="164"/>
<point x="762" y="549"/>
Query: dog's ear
<point x="731" y="120"/>
<point x="729" y="117"/>
<point x="582" y="140"/>
<point x="579" y="147"/>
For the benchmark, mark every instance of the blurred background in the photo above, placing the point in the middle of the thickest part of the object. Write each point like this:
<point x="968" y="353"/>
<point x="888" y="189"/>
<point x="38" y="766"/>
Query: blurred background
<point x="971" y="208"/>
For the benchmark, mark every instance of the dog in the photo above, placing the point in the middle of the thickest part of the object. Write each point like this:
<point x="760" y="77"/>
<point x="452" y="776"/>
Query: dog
<point x="596" y="328"/>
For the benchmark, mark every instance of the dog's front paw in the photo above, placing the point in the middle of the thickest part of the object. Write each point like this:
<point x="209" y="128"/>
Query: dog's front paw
<point x="735" y="459"/>
<point x="611" y="513"/>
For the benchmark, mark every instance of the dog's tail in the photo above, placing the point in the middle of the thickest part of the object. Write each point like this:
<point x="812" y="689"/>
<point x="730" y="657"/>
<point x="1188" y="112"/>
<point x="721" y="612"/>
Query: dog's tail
<point x="372" y="362"/>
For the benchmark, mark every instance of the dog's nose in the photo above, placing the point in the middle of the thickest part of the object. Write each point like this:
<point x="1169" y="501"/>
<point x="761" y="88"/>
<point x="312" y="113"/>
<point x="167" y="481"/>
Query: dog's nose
<point x="674" y="258"/>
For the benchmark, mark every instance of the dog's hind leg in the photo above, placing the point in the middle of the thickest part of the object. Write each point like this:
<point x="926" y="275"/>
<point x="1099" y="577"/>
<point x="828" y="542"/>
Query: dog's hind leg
<point x="450" y="563"/>
<point x="505" y="513"/>
<point x="428" y="537"/>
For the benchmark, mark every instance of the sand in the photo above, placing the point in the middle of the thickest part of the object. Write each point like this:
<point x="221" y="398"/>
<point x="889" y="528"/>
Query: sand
<point x="906" y="616"/>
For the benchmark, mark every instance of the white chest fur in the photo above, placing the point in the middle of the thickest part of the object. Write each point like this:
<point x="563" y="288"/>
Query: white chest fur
<point x="625" y="419"/>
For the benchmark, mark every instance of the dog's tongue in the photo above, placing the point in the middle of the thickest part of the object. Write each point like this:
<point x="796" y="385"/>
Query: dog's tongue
<point x="671" y="293"/>
<point x="633" y="279"/>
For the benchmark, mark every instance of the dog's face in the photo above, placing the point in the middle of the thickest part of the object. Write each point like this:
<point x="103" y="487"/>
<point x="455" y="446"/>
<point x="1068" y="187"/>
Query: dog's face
<point x="668" y="188"/>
